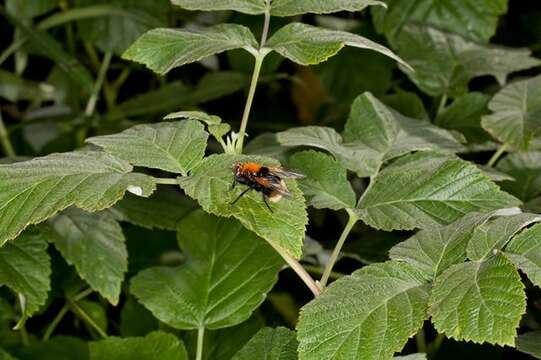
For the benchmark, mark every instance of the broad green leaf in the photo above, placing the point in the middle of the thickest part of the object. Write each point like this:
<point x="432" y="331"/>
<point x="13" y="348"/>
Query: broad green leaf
<point x="195" y="115"/>
<point x="58" y="348"/>
<point x="4" y="355"/>
<point x="251" y="7"/>
<point x="479" y="301"/>
<point x="25" y="267"/>
<point x="164" y="49"/>
<point x="529" y="343"/>
<point x="299" y="7"/>
<point x="117" y="33"/>
<point x="154" y="346"/>
<point x="210" y="184"/>
<point x="445" y="63"/>
<point x="176" y="147"/>
<point x="270" y="344"/>
<point x="163" y="210"/>
<point x="89" y="242"/>
<point x="516" y="117"/>
<point x="525" y="168"/>
<point x="525" y="251"/>
<point x="34" y="190"/>
<point x="428" y="189"/>
<point x="435" y="249"/>
<point x="367" y="315"/>
<point x="228" y="272"/>
<point x="30" y="9"/>
<point x="326" y="184"/>
<point x="494" y="235"/>
<point x="309" y="45"/>
<point x="418" y="356"/>
<point x="474" y="19"/>
<point x="135" y="319"/>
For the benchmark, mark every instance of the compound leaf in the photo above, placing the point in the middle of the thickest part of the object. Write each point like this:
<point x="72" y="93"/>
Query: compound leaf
<point x="164" y="49"/>
<point x="270" y="344"/>
<point x="479" y="301"/>
<point x="367" y="315"/>
<point x="34" y="190"/>
<point x="171" y="146"/>
<point x="226" y="277"/>
<point x="525" y="251"/>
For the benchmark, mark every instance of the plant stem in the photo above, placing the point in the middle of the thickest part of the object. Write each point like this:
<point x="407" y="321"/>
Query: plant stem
<point x="497" y="155"/>
<point x="91" y="104"/>
<point x="443" y="102"/>
<point x="80" y="312"/>
<point x="434" y="346"/>
<point x="420" y="341"/>
<point x="166" y="181"/>
<point x="200" y="341"/>
<point x="83" y="294"/>
<point x="319" y="271"/>
<point x="55" y="322"/>
<point x="299" y="270"/>
<point x="266" y="26"/>
<point x="338" y="248"/>
<point x="4" y="139"/>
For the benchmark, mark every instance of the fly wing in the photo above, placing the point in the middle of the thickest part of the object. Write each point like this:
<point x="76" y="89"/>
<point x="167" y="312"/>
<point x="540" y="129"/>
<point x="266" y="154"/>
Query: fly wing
<point x="273" y="184"/>
<point x="284" y="173"/>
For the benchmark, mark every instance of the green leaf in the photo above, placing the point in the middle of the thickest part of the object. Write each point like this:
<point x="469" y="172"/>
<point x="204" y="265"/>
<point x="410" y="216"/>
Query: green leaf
<point x="299" y="7"/>
<point x="529" y="343"/>
<point x="479" y="301"/>
<point x="195" y="115"/>
<point x="418" y="356"/>
<point x="525" y="251"/>
<point x="30" y="9"/>
<point x="474" y="19"/>
<point x="163" y="210"/>
<point x="435" y="249"/>
<point x="270" y="344"/>
<point x="428" y="189"/>
<point x="367" y="315"/>
<point x="156" y="345"/>
<point x="516" y="117"/>
<point x="210" y="184"/>
<point x="135" y="319"/>
<point x="251" y="7"/>
<point x="171" y="146"/>
<point x="494" y="235"/>
<point x="309" y="45"/>
<point x="96" y="312"/>
<point x="34" y="190"/>
<point x="90" y="242"/>
<point x="228" y="272"/>
<point x="4" y="355"/>
<point x="25" y="267"/>
<point x="326" y="185"/>
<point x="445" y="63"/>
<point x="525" y="169"/>
<point x="58" y="348"/>
<point x="164" y="49"/>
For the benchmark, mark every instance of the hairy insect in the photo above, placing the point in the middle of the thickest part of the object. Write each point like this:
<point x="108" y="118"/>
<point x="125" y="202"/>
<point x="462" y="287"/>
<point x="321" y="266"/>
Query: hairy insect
<point x="265" y="179"/>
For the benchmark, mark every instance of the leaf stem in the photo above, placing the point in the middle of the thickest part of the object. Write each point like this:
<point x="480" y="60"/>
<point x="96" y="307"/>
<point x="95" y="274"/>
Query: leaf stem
<point x="266" y="26"/>
<point x="4" y="139"/>
<point x="443" y="102"/>
<point x="166" y="181"/>
<point x="299" y="270"/>
<point x="497" y="155"/>
<point x="52" y="326"/>
<point x="200" y="341"/>
<point x="338" y="248"/>
<point x="92" y="101"/>
<point x="420" y="341"/>
<point x="80" y="312"/>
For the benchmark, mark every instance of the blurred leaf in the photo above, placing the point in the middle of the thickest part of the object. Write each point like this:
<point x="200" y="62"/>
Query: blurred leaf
<point x="34" y="190"/>
<point x="326" y="185"/>
<point x="156" y="345"/>
<point x="4" y="355"/>
<point x="516" y="117"/>
<point x="309" y="45"/>
<point x="299" y="7"/>
<point x="525" y="251"/>
<point x="164" y="49"/>
<point x="479" y="301"/>
<point x="176" y="147"/>
<point x="418" y="356"/>
<point x="58" y="348"/>
<point x="495" y="175"/>
<point x="15" y="88"/>
<point x="529" y="343"/>
<point x="25" y="267"/>
<point x="216" y="85"/>
<point x="342" y="324"/>
<point x="270" y="344"/>
<point x="407" y="103"/>
<point x="89" y="242"/>
<point x="29" y="9"/>
<point x="495" y="234"/>
<point x="210" y="184"/>
<point x="474" y="19"/>
<point x="226" y="277"/>
<point x="195" y="115"/>
<point x="525" y="168"/>
<point x="428" y="189"/>
<point x="445" y="63"/>
<point x="117" y="33"/>
<point x="267" y="145"/>
<point x="135" y="319"/>
<point x="308" y="95"/>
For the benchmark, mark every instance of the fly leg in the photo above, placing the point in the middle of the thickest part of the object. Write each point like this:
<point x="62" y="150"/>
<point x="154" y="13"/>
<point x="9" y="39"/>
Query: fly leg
<point x="266" y="203"/>
<point x="241" y="195"/>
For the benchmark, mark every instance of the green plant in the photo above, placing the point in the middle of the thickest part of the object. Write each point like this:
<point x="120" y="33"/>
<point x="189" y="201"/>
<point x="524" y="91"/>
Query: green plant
<point x="386" y="170"/>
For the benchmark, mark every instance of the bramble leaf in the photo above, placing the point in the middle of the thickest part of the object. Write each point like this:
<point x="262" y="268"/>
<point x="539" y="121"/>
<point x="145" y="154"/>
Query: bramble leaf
<point x="34" y="190"/>
<point x="516" y="117"/>
<point x="299" y="7"/>
<point x="524" y="250"/>
<point x="525" y="169"/>
<point x="367" y="315"/>
<point x="90" y="242"/>
<point x="479" y="301"/>
<point x="326" y="184"/>
<point x="226" y="277"/>
<point x="270" y="344"/>
<point x="428" y="189"/>
<point x="195" y="115"/>
<point x="251" y="7"/>
<point x="171" y="146"/>
<point x="210" y="184"/>
<point x="529" y="343"/>
<point x="164" y="49"/>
